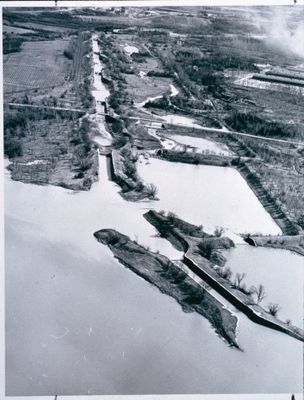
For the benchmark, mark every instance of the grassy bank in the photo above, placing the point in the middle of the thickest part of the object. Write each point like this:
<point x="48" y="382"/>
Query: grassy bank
<point x="287" y="226"/>
<point x="199" y="251"/>
<point x="124" y="172"/>
<point x="292" y="243"/>
<point x="171" y="280"/>
<point x="45" y="148"/>
<point x="194" y="158"/>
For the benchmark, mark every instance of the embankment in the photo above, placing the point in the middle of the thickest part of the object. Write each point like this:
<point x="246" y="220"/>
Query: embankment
<point x="55" y="170"/>
<point x="171" y="280"/>
<point x="287" y="226"/>
<point x="279" y="79"/>
<point x="205" y="269"/>
<point x="123" y="171"/>
<point x="293" y="243"/>
<point x="194" y="158"/>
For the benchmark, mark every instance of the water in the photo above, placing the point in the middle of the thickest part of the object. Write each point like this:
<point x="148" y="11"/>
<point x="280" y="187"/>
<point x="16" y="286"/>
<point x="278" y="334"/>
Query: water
<point x="78" y="322"/>
<point x="130" y="49"/>
<point x="100" y="94"/>
<point x="212" y="196"/>
<point x="142" y="104"/>
<point x="202" y="145"/>
<point x="180" y="120"/>
<point x="83" y="324"/>
<point x="174" y="91"/>
<point x="279" y="271"/>
<point x="178" y="142"/>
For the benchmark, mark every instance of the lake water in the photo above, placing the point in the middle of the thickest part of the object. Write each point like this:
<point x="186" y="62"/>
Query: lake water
<point x="180" y="120"/>
<point x="212" y="196"/>
<point x="202" y="145"/>
<point x="279" y="271"/>
<point x="78" y="322"/>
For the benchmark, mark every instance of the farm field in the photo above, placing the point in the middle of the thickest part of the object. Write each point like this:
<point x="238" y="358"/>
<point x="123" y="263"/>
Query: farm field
<point x="52" y="70"/>
<point x="16" y="30"/>
<point x="37" y="65"/>
<point x="44" y="27"/>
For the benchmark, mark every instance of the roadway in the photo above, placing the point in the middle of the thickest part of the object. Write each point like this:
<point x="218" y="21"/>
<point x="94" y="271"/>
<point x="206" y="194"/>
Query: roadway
<point x="163" y="123"/>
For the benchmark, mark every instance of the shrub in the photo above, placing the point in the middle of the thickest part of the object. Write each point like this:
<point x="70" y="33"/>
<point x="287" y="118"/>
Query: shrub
<point x="151" y="190"/>
<point x="79" y="175"/>
<point x="238" y="280"/>
<point x="68" y="54"/>
<point x="84" y="165"/>
<point x="273" y="309"/>
<point x="12" y="148"/>
<point x="139" y="187"/>
<point x="119" y="142"/>
<point x="87" y="182"/>
<point x="218" y="231"/>
<point x="260" y="293"/>
<point x="301" y="221"/>
<point x="206" y="248"/>
<point x="130" y="169"/>
<point x="225" y="273"/>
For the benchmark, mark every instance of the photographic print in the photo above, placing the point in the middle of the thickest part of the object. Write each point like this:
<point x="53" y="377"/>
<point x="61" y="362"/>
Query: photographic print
<point x="153" y="199"/>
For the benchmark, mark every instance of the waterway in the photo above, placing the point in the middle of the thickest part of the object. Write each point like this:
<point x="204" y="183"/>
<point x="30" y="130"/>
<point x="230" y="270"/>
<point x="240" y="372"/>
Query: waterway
<point x="279" y="271"/>
<point x="202" y="145"/>
<point x="79" y="310"/>
<point x="180" y="119"/>
<point x="212" y="196"/>
<point x="100" y="93"/>
<point x="78" y="322"/>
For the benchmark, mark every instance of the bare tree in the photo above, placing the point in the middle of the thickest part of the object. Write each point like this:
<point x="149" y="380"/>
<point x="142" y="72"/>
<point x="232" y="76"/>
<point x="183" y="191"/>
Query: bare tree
<point x="260" y="293"/>
<point x="219" y="230"/>
<point x="238" y="279"/>
<point x="152" y="190"/>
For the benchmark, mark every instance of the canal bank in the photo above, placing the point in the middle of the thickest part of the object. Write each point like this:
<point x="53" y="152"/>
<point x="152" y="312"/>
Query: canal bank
<point x="77" y="289"/>
<point x="206" y="271"/>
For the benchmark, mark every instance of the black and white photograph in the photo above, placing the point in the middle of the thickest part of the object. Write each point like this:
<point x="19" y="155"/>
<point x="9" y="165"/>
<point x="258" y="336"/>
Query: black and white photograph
<point x="153" y="175"/>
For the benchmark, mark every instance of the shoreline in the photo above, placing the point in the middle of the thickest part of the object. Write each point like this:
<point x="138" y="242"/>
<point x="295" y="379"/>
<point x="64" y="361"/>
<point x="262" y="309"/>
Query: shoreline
<point x="292" y="243"/>
<point x="171" y="280"/>
<point x="204" y="268"/>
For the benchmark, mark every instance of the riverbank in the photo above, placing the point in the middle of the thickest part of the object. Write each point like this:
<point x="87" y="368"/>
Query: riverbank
<point x="171" y="280"/>
<point x="47" y="138"/>
<point x="287" y="226"/>
<point x="293" y="243"/>
<point x="198" y="256"/>
<point x="194" y="158"/>
<point x="56" y="151"/>
<point x="124" y="172"/>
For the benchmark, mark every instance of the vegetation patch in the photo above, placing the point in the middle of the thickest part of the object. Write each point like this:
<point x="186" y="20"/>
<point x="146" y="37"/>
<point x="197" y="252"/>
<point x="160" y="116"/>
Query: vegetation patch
<point x="171" y="280"/>
<point x="199" y="253"/>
